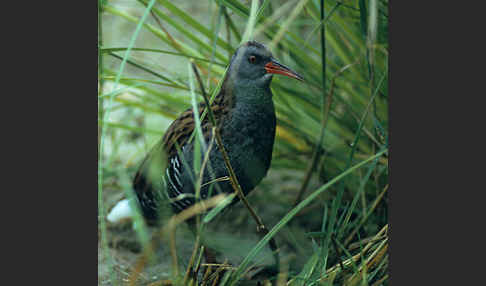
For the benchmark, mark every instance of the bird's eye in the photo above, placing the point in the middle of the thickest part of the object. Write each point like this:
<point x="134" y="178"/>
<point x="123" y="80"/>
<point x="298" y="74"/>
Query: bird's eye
<point x="252" y="59"/>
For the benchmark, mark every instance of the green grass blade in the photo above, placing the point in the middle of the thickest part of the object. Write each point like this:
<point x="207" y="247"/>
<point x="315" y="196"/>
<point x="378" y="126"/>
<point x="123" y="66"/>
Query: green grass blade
<point x="236" y="6"/>
<point x="218" y="208"/>
<point x="195" y="108"/>
<point x="285" y="26"/>
<point x="250" y="26"/>
<point x="111" y="50"/>
<point x="194" y="24"/>
<point x="363" y="16"/>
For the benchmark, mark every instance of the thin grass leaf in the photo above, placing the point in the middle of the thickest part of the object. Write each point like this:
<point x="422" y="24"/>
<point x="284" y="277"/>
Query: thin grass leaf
<point x="111" y="50"/>
<point x="261" y="10"/>
<point x="363" y="18"/>
<point x="114" y="93"/>
<point x="147" y="70"/>
<point x="285" y="26"/>
<point x="133" y="128"/>
<point x="357" y="196"/>
<point x="361" y="123"/>
<point x="139" y="223"/>
<point x="194" y="24"/>
<point x="236" y="6"/>
<point x="322" y="22"/>
<point x="250" y="26"/>
<point x="370" y="211"/>
<point x="195" y="107"/>
<point x="215" y="37"/>
<point x="216" y="210"/>
<point x="147" y="81"/>
<point x="276" y="15"/>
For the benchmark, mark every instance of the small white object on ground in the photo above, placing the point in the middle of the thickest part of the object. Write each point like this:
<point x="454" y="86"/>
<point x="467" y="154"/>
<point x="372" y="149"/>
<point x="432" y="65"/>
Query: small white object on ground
<point x="120" y="212"/>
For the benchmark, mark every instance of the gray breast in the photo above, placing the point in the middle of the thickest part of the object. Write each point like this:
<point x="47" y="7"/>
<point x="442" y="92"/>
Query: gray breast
<point x="248" y="136"/>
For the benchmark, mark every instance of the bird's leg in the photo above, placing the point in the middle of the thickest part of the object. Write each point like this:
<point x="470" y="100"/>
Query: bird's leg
<point x="261" y="229"/>
<point x="210" y="255"/>
<point x="214" y="271"/>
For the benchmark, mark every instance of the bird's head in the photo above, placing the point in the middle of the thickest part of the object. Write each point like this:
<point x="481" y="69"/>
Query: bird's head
<point x="254" y="64"/>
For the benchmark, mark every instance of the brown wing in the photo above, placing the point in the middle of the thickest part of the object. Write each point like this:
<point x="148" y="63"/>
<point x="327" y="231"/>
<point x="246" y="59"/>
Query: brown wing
<point x="181" y="129"/>
<point x="178" y="132"/>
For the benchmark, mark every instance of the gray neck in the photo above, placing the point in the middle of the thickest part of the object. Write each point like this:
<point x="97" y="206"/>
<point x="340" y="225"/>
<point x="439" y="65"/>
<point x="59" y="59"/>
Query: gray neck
<point x="253" y="109"/>
<point x="254" y="93"/>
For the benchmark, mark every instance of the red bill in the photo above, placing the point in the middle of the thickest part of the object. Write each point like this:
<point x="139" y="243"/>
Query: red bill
<point x="277" y="68"/>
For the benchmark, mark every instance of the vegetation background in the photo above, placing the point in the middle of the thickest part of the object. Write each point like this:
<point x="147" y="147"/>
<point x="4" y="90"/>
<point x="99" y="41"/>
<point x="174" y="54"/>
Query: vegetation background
<point x="330" y="153"/>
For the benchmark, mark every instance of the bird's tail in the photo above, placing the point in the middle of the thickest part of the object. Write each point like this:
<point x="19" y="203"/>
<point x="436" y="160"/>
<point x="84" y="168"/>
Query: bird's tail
<point x="147" y="186"/>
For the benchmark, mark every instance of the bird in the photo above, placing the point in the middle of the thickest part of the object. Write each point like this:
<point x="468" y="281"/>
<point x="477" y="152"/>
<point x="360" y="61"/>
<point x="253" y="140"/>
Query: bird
<point x="245" y="115"/>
